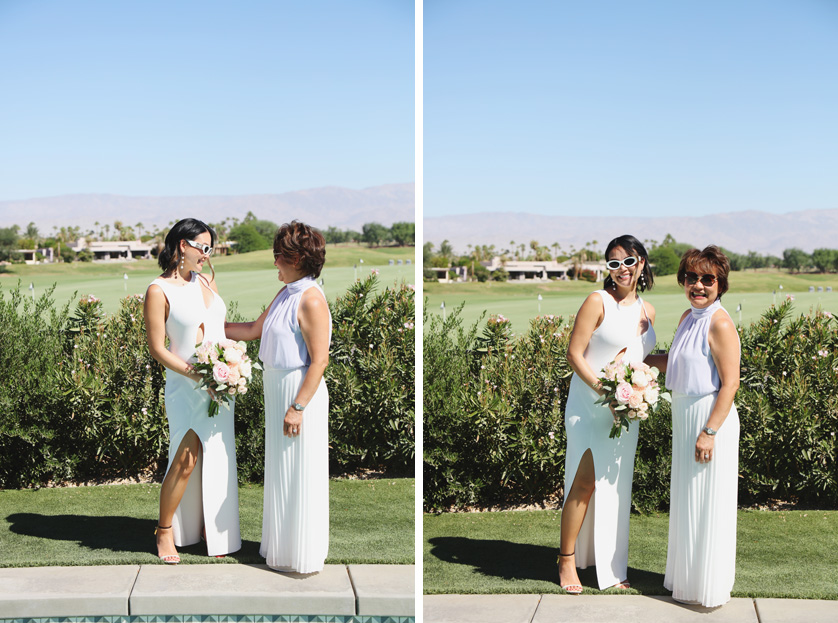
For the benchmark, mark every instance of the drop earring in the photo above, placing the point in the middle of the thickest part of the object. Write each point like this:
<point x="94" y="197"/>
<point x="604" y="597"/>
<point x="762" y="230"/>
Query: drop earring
<point x="614" y="285"/>
<point x="181" y="261"/>
<point x="642" y="280"/>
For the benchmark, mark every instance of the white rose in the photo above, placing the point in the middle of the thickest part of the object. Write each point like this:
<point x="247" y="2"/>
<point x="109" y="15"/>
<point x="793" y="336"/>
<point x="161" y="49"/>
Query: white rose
<point x="232" y="355"/>
<point x="651" y="395"/>
<point x="640" y="379"/>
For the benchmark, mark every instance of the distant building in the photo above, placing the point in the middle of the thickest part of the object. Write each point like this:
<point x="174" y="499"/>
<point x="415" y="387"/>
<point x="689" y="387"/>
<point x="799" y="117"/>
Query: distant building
<point x="120" y="250"/>
<point x="523" y="270"/>
<point x="223" y="248"/>
<point x="443" y="274"/>
<point x="30" y="257"/>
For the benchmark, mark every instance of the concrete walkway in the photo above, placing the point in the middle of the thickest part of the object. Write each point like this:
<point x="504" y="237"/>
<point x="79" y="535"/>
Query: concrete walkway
<point x="622" y="608"/>
<point x="39" y="592"/>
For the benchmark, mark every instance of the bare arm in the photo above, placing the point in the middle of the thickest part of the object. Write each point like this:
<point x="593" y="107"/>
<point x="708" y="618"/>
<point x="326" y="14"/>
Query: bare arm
<point x="724" y="346"/>
<point x="154" y="311"/>
<point x="247" y="330"/>
<point x="588" y="318"/>
<point x="650" y="312"/>
<point x="313" y="316"/>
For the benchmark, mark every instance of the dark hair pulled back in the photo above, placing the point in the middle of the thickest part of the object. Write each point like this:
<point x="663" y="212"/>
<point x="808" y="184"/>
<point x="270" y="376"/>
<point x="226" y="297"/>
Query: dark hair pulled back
<point x="632" y="246"/>
<point x="186" y="229"/>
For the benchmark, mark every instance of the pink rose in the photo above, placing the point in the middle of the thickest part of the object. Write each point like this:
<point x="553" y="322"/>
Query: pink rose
<point x="220" y="372"/>
<point x="635" y="400"/>
<point x="623" y="393"/>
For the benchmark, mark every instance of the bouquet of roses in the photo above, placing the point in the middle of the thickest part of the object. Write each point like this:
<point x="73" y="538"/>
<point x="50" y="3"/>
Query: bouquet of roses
<point x="225" y="368"/>
<point x="633" y="388"/>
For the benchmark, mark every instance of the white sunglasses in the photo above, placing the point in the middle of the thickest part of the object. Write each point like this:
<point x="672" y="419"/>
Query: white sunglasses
<point x="203" y="248"/>
<point x="626" y="261"/>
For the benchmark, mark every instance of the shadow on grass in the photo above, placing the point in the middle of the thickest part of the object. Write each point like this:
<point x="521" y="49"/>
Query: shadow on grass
<point x="111" y="534"/>
<point x="522" y="561"/>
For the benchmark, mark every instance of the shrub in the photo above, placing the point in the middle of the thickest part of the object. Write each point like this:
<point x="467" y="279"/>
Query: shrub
<point x="371" y="378"/>
<point x="788" y="408"/>
<point x="481" y="273"/>
<point x="587" y="275"/>
<point x="86" y="399"/>
<point x="30" y="349"/>
<point x="248" y="239"/>
<point x="494" y="411"/>
<point x="113" y="392"/>
<point x="500" y="274"/>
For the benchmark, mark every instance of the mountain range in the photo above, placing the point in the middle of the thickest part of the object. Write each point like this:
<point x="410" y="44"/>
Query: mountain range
<point x="763" y="232"/>
<point x="331" y="206"/>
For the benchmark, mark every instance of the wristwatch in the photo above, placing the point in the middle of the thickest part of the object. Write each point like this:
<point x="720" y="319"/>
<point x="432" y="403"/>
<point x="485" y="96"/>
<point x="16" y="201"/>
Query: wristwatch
<point x="709" y="431"/>
<point x="298" y="407"/>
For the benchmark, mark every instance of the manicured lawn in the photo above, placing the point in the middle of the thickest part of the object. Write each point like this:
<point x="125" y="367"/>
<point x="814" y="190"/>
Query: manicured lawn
<point x="249" y="279"/>
<point x="779" y="554"/>
<point x="519" y="301"/>
<point x="371" y="521"/>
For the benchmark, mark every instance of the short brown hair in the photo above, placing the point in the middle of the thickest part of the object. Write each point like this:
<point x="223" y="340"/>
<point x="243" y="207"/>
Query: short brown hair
<point x="302" y="245"/>
<point x="710" y="258"/>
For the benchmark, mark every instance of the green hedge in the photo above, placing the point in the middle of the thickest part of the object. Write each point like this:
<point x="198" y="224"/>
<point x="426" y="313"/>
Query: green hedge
<point x="83" y="399"/>
<point x="494" y="421"/>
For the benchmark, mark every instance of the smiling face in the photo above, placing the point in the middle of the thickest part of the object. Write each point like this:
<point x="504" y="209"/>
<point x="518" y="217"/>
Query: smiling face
<point x="625" y="276"/>
<point x="194" y="259"/>
<point x="701" y="285"/>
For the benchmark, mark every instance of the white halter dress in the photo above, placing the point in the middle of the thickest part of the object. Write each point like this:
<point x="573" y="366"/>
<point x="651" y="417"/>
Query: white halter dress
<point x="701" y="556"/>
<point x="295" y="519"/>
<point x="212" y="495"/>
<point x="603" y="538"/>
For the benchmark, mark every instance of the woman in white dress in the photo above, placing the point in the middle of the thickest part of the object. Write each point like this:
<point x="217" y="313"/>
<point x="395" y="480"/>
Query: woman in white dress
<point x="296" y="331"/>
<point x="612" y="322"/>
<point x="199" y="495"/>
<point x="702" y="372"/>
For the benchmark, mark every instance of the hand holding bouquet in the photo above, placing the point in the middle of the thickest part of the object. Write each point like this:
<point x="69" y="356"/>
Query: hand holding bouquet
<point x="225" y="368"/>
<point x="633" y="389"/>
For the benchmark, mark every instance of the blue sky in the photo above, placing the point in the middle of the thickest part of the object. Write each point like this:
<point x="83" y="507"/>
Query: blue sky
<point x="641" y="107"/>
<point x="199" y="97"/>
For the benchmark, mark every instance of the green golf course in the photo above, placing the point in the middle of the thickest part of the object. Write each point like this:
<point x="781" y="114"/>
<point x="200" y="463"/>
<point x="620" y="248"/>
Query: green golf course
<point x="518" y="301"/>
<point x="249" y="280"/>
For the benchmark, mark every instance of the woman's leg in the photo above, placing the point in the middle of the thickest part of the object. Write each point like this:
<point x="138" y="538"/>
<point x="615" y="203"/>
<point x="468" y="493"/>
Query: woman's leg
<point x="573" y="514"/>
<point x="174" y="485"/>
